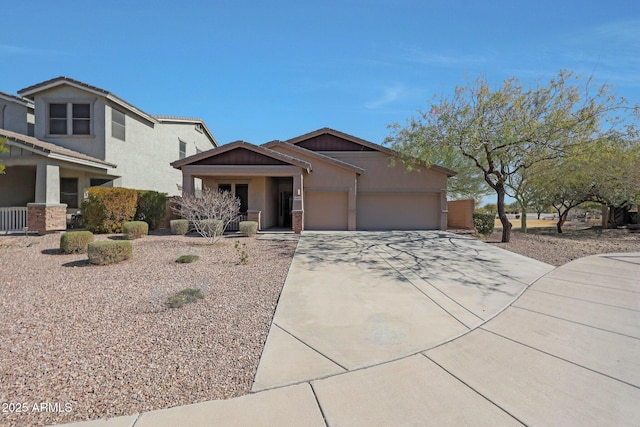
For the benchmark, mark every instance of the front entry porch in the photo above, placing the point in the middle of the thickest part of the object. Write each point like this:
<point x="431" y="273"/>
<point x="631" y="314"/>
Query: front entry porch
<point x="269" y="184"/>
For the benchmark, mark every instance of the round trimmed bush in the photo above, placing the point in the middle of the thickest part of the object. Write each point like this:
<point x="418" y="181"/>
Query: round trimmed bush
<point x="75" y="241"/>
<point x="179" y="226"/>
<point x="135" y="229"/>
<point x="248" y="228"/>
<point x="105" y="252"/>
<point x="483" y="222"/>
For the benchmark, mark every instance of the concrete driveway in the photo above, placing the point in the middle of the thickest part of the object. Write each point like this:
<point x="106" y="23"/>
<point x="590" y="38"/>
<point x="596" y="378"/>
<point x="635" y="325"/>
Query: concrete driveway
<point x="357" y="299"/>
<point x="361" y="316"/>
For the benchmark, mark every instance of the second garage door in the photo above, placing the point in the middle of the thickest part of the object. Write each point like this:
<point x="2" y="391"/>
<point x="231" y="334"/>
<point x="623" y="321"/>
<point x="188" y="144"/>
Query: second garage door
<point x="397" y="211"/>
<point x="326" y="210"/>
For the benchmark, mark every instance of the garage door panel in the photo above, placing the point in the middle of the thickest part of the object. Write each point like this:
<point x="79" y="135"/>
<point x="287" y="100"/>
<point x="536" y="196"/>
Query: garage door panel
<point x="398" y="211"/>
<point x="325" y="210"/>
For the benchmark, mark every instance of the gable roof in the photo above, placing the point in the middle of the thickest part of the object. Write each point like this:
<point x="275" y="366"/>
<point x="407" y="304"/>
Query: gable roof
<point x="366" y="145"/>
<point x="17" y="99"/>
<point x="314" y="154"/>
<point x="30" y="91"/>
<point x="241" y="145"/>
<point x="48" y="149"/>
<point x="177" y="119"/>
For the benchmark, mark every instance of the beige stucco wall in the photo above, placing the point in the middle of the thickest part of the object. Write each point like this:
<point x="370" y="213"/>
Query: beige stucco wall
<point x="15" y="117"/>
<point x="390" y="197"/>
<point x="143" y="159"/>
<point x="379" y="175"/>
<point x="258" y="188"/>
<point x="92" y="145"/>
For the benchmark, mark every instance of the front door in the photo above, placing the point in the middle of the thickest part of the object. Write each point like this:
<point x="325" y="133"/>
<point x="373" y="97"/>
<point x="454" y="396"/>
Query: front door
<point x="285" y="204"/>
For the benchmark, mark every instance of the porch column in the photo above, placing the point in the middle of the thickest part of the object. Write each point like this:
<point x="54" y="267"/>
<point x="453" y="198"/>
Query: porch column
<point x="47" y="213"/>
<point x="352" y="198"/>
<point x="188" y="183"/>
<point x="47" y="183"/>
<point x="297" y="211"/>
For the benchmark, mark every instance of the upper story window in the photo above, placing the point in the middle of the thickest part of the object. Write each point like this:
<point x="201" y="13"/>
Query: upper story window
<point x="118" y="124"/>
<point x="183" y="149"/>
<point x="69" y="119"/>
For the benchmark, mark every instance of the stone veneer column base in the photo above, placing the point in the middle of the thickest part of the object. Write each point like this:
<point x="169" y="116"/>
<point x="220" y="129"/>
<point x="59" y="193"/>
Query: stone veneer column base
<point x="254" y="216"/>
<point x="45" y="218"/>
<point x="298" y="221"/>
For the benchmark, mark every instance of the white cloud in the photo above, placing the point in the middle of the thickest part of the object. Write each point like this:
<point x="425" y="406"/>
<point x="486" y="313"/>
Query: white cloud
<point x="389" y="95"/>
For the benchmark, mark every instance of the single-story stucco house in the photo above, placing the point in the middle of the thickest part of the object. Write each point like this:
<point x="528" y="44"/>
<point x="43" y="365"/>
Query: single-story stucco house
<point x="323" y="180"/>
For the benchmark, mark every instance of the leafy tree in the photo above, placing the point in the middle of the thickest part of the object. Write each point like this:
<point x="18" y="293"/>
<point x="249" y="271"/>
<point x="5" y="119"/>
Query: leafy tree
<point x="2" y="150"/>
<point x="510" y="129"/>
<point x="603" y="171"/>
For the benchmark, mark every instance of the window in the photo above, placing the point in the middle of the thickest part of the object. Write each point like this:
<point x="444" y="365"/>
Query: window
<point x="242" y="193"/>
<point x="69" y="119"/>
<point x="58" y="119"/>
<point x="183" y="149"/>
<point x="69" y="192"/>
<point x="117" y="124"/>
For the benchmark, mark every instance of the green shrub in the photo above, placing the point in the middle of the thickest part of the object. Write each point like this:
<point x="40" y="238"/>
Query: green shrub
<point x="179" y="226"/>
<point x="75" y="241"/>
<point x="241" y="251"/>
<point x="483" y="222"/>
<point x="184" y="297"/>
<point x="185" y="259"/>
<point x="151" y="208"/>
<point x="212" y="226"/>
<point x="248" y="228"/>
<point x="105" y="252"/>
<point x="135" y="229"/>
<point x="106" y="208"/>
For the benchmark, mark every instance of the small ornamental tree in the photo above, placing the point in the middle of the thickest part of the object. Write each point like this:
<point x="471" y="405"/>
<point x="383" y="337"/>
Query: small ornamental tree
<point x="211" y="205"/>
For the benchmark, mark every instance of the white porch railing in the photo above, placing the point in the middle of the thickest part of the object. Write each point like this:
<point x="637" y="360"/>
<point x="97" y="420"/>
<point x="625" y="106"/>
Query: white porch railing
<point x="13" y="219"/>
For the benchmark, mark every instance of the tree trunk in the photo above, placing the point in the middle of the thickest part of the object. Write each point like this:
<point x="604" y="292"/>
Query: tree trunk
<point x="562" y="218"/>
<point x="506" y="225"/>
<point x="523" y="218"/>
<point x="605" y="216"/>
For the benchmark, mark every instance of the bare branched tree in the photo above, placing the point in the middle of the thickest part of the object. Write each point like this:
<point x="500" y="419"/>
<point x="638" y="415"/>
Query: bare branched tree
<point x="209" y="213"/>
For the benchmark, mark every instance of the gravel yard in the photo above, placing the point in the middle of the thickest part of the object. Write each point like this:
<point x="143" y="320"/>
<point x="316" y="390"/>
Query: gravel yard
<point x="546" y="245"/>
<point x="96" y="341"/>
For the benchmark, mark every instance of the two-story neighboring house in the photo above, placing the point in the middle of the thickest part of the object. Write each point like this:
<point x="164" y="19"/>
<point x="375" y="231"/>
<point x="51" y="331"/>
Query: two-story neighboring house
<point x="64" y="136"/>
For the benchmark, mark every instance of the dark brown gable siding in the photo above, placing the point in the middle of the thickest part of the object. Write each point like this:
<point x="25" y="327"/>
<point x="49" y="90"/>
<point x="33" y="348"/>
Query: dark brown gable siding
<point x="240" y="156"/>
<point x="328" y="142"/>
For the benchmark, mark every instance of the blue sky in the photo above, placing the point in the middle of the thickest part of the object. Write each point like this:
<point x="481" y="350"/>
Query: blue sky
<point x="264" y="70"/>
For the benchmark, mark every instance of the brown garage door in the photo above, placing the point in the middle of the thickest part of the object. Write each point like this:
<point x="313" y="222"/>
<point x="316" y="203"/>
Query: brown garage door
<point x="324" y="210"/>
<point x="397" y="211"/>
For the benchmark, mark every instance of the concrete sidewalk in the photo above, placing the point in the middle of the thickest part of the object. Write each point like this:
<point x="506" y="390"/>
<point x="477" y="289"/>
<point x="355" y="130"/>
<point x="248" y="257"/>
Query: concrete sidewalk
<point x="381" y="343"/>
